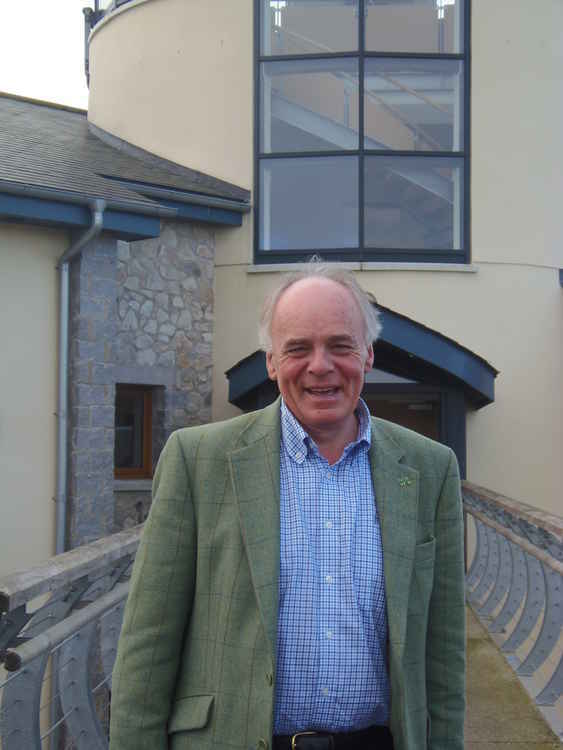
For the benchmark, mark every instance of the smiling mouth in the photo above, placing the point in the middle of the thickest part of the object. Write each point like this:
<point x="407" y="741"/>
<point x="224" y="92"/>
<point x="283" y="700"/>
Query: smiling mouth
<point x="322" y="391"/>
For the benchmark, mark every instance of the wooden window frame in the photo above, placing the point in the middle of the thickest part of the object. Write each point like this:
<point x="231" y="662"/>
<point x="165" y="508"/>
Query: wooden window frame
<point x="144" y="471"/>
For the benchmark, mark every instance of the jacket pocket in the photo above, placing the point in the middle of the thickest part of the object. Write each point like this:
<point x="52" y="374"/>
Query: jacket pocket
<point x="192" y="712"/>
<point x="424" y="554"/>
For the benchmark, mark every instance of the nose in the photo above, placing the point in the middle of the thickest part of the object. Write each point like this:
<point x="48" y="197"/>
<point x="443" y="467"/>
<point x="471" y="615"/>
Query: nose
<point x="320" y="361"/>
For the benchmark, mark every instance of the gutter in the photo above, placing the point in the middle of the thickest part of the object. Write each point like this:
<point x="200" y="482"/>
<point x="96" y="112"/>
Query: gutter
<point x="68" y="196"/>
<point x="183" y="196"/>
<point x="97" y="208"/>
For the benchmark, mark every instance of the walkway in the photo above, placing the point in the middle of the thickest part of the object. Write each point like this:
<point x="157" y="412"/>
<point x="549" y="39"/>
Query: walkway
<point x="500" y="713"/>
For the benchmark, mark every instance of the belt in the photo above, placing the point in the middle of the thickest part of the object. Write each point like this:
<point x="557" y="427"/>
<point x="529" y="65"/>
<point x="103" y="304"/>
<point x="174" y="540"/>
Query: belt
<point x="313" y="740"/>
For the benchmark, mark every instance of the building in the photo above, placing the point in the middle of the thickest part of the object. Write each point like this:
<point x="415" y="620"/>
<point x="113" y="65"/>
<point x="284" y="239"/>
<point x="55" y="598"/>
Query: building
<point x="417" y="142"/>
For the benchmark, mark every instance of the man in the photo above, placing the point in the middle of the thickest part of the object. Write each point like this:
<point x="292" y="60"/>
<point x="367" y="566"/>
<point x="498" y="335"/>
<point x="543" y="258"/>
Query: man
<point x="299" y="583"/>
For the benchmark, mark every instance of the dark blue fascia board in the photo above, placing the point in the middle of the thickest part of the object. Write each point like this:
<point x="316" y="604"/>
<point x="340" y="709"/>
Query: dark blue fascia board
<point x="128" y="226"/>
<point x="131" y="226"/>
<point x="208" y="214"/>
<point x="438" y="351"/>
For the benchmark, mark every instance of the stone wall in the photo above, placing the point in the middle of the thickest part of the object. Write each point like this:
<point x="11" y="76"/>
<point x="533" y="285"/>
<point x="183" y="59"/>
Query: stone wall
<point x="165" y="331"/>
<point x="93" y="327"/>
<point x="141" y="313"/>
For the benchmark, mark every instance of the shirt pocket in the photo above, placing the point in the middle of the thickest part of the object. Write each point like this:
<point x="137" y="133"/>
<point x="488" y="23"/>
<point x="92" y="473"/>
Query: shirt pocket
<point x="192" y="712"/>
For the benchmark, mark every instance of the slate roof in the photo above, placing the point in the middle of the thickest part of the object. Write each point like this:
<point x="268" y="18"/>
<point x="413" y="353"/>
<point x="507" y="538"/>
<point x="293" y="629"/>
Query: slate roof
<point x="50" y="146"/>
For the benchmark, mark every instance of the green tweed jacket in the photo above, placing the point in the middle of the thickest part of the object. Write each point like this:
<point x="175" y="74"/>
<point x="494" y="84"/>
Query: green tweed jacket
<point x="196" y="661"/>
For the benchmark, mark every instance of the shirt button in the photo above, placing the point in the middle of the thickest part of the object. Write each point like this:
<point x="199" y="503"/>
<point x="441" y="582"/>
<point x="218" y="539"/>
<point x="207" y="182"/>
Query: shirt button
<point x="324" y="691"/>
<point x="328" y="579"/>
<point x="329" y="634"/>
<point x="328" y="524"/>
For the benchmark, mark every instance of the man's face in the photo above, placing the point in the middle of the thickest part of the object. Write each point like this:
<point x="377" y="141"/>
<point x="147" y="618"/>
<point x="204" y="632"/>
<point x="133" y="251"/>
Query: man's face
<point x="319" y="356"/>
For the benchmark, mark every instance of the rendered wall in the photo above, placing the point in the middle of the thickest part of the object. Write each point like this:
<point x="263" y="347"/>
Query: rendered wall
<point x="510" y="311"/>
<point x="28" y="392"/>
<point x="175" y="77"/>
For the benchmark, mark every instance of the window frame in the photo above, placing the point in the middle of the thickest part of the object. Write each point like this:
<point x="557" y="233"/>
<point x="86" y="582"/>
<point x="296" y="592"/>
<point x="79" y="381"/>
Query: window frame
<point x="363" y="253"/>
<point x="145" y="471"/>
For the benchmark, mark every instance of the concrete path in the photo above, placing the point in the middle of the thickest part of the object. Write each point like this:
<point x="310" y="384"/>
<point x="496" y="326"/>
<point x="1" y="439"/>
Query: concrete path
<point x="500" y="713"/>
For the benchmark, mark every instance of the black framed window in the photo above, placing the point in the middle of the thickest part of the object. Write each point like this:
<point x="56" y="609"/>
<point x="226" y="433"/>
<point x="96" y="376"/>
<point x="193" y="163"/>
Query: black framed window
<point x="362" y="137"/>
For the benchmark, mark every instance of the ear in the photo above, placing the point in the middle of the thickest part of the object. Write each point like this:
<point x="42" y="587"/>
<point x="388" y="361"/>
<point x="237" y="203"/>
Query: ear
<point x="369" y="359"/>
<point x="271" y="366"/>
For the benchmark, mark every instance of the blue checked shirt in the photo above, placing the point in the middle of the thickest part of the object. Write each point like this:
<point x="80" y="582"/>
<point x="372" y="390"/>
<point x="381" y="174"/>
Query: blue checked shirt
<point x="332" y="627"/>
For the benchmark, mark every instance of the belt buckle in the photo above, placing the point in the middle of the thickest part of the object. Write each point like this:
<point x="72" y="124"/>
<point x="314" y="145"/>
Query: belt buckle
<point x="322" y="735"/>
<point x="296" y="735"/>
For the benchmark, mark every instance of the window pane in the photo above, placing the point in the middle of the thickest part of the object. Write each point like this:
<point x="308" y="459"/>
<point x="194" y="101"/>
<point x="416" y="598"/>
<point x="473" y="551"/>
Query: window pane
<point x="129" y="415"/>
<point x="309" y="105"/>
<point x="414" y="26"/>
<point x="414" y="104"/>
<point x="295" y="27"/>
<point x="413" y="203"/>
<point x="309" y="203"/>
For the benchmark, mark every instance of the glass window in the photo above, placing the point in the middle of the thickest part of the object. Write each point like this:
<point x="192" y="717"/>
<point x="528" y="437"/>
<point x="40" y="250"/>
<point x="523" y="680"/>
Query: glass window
<point x="308" y="203"/>
<point x="414" y="26"/>
<point x="361" y="138"/>
<point x="309" y="105"/>
<point x="296" y="27"/>
<point x="133" y="431"/>
<point x="413" y="203"/>
<point x="413" y="105"/>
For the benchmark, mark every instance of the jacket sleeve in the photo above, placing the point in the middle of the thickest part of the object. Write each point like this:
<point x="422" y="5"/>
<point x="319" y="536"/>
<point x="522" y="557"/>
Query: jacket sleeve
<point x="445" y="654"/>
<point x="157" y="611"/>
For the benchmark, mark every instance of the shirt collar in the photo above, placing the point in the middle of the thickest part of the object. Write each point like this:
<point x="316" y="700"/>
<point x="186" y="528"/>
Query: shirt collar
<point x="298" y="443"/>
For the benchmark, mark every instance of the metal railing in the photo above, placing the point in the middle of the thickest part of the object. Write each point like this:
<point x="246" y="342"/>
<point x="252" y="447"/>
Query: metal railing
<point x="60" y="622"/>
<point x="59" y="626"/>
<point x="515" y="587"/>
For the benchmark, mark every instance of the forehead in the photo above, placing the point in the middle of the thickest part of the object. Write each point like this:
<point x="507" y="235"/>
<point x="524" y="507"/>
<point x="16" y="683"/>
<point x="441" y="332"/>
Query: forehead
<point x="314" y="306"/>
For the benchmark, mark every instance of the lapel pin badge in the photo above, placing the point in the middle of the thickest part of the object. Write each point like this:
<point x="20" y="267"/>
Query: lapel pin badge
<point x="405" y="482"/>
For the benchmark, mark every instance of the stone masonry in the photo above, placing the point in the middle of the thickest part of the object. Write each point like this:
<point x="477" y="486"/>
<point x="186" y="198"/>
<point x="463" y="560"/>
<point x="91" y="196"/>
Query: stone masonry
<point x="141" y="312"/>
<point x="164" y="335"/>
<point x="93" y="291"/>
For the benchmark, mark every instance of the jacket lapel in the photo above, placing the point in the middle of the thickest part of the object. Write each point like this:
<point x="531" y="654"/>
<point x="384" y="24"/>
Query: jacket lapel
<point x="255" y="475"/>
<point x="396" y="488"/>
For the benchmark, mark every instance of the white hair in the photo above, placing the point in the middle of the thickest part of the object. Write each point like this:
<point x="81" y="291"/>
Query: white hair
<point x="316" y="269"/>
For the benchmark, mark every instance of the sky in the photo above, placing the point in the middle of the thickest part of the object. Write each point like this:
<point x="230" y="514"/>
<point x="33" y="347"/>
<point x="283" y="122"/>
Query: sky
<point x="42" y="50"/>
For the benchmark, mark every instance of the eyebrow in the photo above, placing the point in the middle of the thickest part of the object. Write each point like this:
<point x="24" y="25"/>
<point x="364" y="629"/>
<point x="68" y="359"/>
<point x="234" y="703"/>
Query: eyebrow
<point x="343" y="338"/>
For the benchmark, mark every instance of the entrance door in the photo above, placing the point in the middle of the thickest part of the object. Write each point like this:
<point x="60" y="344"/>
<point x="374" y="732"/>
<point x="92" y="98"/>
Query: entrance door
<point x="420" y="413"/>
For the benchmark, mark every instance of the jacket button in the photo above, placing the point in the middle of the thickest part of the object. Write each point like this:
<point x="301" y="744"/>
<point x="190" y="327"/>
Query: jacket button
<point x="262" y="744"/>
<point x="269" y="678"/>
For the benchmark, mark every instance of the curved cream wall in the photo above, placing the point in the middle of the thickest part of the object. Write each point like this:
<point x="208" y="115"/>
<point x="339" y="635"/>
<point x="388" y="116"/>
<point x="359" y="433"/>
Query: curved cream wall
<point x="28" y="392"/>
<point x="175" y="77"/>
<point x="510" y="311"/>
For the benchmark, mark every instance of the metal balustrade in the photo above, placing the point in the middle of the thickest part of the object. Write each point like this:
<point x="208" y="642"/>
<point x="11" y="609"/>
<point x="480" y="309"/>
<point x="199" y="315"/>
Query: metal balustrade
<point x="59" y="626"/>
<point x="60" y="622"/>
<point x="515" y="587"/>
